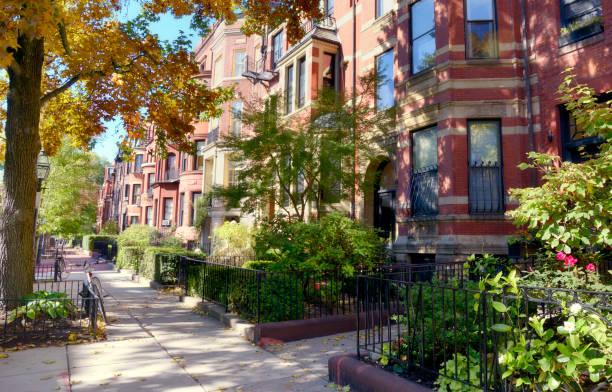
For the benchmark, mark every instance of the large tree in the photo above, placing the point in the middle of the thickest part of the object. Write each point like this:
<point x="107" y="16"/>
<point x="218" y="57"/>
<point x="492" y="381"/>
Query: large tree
<point x="69" y="201"/>
<point x="71" y="64"/>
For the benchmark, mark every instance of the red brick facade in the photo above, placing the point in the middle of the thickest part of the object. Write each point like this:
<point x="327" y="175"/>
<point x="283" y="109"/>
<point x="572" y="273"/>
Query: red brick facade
<point x="472" y="94"/>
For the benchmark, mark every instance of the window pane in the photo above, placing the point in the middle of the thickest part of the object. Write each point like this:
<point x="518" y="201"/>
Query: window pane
<point x="484" y="142"/>
<point x="425" y="149"/>
<point x="424" y="52"/>
<point x="289" y="97"/>
<point x="479" y="9"/>
<point x="239" y="63"/>
<point x="383" y="6"/>
<point x="480" y="40"/>
<point x="194" y="199"/>
<point x="181" y="208"/>
<point x="384" y="69"/>
<point x="200" y="155"/>
<point x="168" y="208"/>
<point x="277" y="44"/>
<point x="302" y="82"/>
<point x="236" y="118"/>
<point x="422" y="17"/>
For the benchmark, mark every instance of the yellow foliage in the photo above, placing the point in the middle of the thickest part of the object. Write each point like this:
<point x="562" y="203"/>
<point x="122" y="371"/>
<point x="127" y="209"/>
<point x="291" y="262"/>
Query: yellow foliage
<point x="97" y="67"/>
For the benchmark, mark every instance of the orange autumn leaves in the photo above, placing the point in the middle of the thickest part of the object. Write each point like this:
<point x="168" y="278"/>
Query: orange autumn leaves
<point x="97" y="68"/>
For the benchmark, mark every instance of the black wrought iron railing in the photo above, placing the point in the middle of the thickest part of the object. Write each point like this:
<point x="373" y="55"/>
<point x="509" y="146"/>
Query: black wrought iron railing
<point x="268" y="296"/>
<point x="438" y="332"/>
<point x="58" y="310"/>
<point x="486" y="195"/>
<point x="424" y="191"/>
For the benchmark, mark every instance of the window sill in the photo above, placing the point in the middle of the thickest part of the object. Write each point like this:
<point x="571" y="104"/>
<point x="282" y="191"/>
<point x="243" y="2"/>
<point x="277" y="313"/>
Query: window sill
<point x="579" y="44"/>
<point x="382" y="22"/>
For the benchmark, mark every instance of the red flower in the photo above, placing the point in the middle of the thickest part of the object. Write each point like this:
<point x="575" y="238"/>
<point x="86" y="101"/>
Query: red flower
<point x="570" y="260"/>
<point x="591" y="267"/>
<point x="560" y="256"/>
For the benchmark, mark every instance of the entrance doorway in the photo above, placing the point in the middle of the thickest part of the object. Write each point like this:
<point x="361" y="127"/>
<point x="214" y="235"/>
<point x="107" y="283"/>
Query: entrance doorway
<point x="384" y="200"/>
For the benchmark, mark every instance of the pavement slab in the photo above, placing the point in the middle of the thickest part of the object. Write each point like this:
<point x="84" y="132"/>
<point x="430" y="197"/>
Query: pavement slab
<point x="156" y="343"/>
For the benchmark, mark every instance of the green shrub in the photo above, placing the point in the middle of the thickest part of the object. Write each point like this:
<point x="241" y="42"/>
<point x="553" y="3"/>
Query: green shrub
<point x="233" y="239"/>
<point x="260" y="265"/>
<point x="138" y="235"/>
<point x="333" y="244"/>
<point x="160" y="263"/>
<point x="171" y="241"/>
<point x="88" y="240"/>
<point x="129" y="257"/>
<point x="42" y="303"/>
<point x="109" y="228"/>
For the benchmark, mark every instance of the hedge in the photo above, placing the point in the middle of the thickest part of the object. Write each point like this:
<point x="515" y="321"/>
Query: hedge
<point x="129" y="257"/>
<point x="160" y="263"/>
<point x="88" y="240"/>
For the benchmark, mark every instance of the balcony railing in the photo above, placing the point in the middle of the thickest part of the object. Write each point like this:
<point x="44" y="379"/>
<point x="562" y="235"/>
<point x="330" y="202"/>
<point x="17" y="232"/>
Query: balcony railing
<point x="213" y="136"/>
<point x="486" y="194"/>
<point x="327" y="22"/>
<point x="424" y="191"/>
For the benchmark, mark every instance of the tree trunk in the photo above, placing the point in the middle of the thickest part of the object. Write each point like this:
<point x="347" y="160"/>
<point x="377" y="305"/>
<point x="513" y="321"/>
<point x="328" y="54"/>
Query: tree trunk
<point x="19" y="187"/>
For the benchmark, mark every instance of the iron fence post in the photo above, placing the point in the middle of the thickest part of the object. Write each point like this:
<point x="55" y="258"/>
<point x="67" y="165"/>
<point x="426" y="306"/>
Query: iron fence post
<point x="358" y="323"/>
<point x="225" y="300"/>
<point x="258" y="275"/>
<point x="182" y="276"/>
<point x="55" y="269"/>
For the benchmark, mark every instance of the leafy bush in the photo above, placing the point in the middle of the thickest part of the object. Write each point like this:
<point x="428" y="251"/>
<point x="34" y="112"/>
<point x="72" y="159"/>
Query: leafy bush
<point x="110" y="227"/>
<point x="137" y="235"/>
<point x="233" y="239"/>
<point x="43" y="303"/>
<point x="572" y="209"/>
<point x="88" y="240"/>
<point x="458" y="368"/>
<point x="569" y="350"/>
<point x="260" y="265"/>
<point x="333" y="244"/>
<point x="129" y="257"/>
<point x="434" y="312"/>
<point x="160" y="263"/>
<point x="171" y="241"/>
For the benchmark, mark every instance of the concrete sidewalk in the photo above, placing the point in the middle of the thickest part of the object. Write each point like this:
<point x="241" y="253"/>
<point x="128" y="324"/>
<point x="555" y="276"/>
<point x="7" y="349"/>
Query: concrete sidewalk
<point x="156" y="343"/>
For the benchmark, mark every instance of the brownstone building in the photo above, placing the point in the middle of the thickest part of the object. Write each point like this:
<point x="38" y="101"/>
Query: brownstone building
<point x="474" y="82"/>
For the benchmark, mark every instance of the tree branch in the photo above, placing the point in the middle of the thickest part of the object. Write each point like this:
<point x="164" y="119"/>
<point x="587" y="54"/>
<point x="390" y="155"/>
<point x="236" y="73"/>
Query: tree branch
<point x="67" y="85"/>
<point x="61" y="28"/>
<point x="60" y="89"/>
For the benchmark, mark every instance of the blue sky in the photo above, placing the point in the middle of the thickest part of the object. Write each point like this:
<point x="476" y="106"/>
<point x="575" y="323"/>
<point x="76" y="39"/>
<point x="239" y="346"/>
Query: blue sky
<point x="167" y="28"/>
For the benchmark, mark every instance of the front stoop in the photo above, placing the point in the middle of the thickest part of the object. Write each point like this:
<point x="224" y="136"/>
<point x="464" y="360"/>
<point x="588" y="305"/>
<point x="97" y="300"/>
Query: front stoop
<point x="362" y="377"/>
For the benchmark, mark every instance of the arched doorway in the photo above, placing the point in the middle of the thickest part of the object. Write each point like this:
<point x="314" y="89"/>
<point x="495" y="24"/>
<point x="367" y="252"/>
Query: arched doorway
<point x="384" y="200"/>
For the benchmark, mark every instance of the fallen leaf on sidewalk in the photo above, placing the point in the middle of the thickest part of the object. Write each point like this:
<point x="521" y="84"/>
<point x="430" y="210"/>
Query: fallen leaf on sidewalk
<point x="3" y="355"/>
<point x="48" y="362"/>
<point x="143" y="379"/>
<point x="117" y="374"/>
<point x="72" y="336"/>
<point x="105" y="383"/>
<point x="46" y="378"/>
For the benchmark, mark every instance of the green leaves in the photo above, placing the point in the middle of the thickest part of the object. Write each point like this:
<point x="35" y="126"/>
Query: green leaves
<point x="501" y="327"/>
<point x="500" y="307"/>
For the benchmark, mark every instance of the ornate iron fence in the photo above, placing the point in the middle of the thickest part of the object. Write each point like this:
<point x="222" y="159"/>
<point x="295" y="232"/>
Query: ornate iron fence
<point x="430" y="331"/>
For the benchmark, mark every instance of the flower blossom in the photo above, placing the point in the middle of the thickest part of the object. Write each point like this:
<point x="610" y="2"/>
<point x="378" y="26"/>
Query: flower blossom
<point x="591" y="267"/>
<point x="575" y="308"/>
<point x="570" y="260"/>
<point x="501" y="359"/>
<point x="560" y="256"/>
<point x="569" y="326"/>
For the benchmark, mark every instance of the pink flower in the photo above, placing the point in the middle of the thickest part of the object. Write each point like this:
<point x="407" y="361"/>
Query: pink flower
<point x="571" y="260"/>
<point x="591" y="267"/>
<point x="560" y="256"/>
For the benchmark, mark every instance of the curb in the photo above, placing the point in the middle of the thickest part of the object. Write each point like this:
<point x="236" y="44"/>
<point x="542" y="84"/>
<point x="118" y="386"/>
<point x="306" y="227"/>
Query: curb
<point x="362" y="377"/>
<point x="246" y="329"/>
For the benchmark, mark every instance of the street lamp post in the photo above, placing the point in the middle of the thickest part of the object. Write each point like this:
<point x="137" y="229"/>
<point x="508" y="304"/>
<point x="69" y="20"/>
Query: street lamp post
<point x="42" y="172"/>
